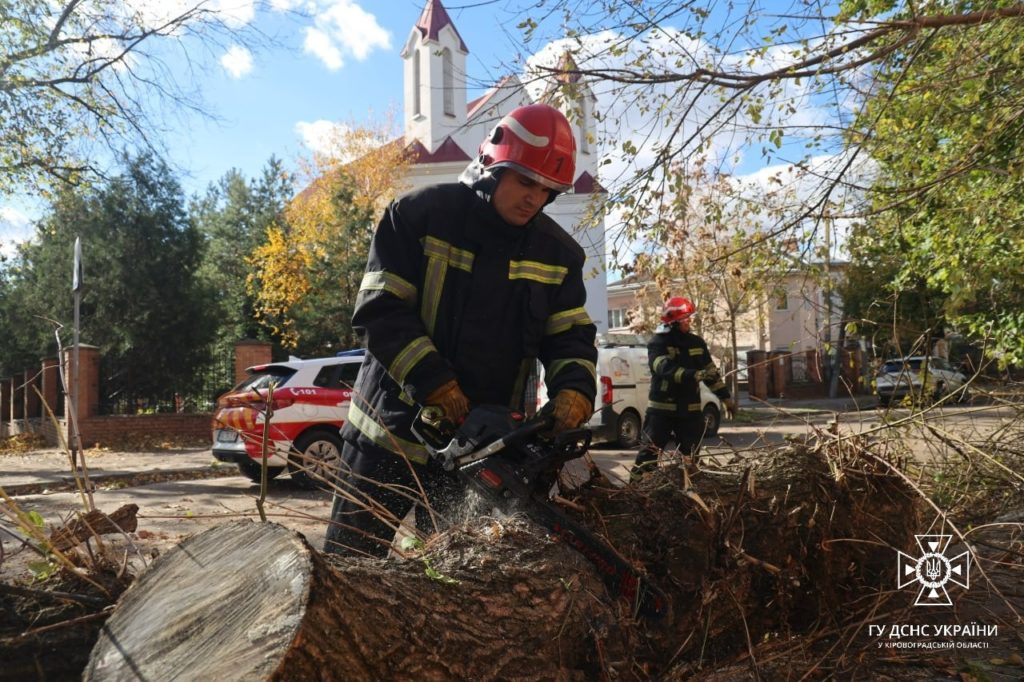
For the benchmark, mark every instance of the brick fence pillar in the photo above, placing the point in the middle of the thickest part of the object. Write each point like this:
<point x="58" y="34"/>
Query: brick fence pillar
<point x="17" y="397"/>
<point x="249" y="352"/>
<point x="88" y="379"/>
<point x="50" y="387"/>
<point x="779" y="363"/>
<point x="757" y="374"/>
<point x="31" y="396"/>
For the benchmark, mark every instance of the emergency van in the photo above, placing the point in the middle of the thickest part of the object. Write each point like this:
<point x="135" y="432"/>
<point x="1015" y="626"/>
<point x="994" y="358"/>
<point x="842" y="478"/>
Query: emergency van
<point x="623" y="384"/>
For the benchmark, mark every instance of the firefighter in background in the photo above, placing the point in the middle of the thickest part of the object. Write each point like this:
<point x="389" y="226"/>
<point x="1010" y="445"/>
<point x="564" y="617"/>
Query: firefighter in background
<point x="679" y="361"/>
<point x="467" y="285"/>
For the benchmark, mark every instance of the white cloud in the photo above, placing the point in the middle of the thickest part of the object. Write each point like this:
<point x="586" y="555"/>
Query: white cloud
<point x="237" y="61"/>
<point x="322" y="136"/>
<point x="235" y="13"/>
<point x="342" y="27"/>
<point x="15" y="227"/>
<point x="320" y="44"/>
<point x="153" y="13"/>
<point x="284" y="5"/>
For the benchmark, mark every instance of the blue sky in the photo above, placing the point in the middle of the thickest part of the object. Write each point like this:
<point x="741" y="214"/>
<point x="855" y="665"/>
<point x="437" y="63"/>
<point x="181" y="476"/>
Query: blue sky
<point x="331" y="61"/>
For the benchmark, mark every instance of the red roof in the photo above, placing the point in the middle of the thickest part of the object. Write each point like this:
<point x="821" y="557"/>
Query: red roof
<point x="434" y="18"/>
<point x="448" y="150"/>
<point x="586" y="184"/>
<point x="483" y="99"/>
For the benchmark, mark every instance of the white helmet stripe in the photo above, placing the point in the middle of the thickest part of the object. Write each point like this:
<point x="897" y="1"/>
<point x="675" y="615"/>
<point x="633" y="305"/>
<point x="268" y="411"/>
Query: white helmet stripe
<point x="524" y="134"/>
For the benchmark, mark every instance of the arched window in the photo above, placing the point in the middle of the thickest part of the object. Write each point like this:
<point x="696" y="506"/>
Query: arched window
<point x="449" y="82"/>
<point x="417" y="108"/>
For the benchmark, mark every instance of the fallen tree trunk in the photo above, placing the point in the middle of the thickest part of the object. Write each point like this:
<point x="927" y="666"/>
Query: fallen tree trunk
<point x="741" y="554"/>
<point x="254" y="601"/>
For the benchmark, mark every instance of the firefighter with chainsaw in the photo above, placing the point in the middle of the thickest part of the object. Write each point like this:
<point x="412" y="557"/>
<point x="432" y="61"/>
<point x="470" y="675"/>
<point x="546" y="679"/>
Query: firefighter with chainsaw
<point x="466" y="286"/>
<point x="679" y="361"/>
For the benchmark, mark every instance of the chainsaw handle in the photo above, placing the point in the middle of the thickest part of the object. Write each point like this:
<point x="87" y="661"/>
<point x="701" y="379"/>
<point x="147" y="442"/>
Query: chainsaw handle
<point x="538" y="423"/>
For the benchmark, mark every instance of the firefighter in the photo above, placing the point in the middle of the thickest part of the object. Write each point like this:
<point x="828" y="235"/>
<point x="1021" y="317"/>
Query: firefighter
<point x="467" y="285"/>
<point x="679" y="361"/>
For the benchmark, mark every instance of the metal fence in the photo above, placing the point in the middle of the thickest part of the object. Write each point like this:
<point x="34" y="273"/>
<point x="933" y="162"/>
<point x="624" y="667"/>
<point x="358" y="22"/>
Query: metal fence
<point x="119" y="397"/>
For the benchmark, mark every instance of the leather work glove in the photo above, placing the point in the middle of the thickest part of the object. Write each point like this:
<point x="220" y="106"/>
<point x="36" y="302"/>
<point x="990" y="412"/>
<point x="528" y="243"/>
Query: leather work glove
<point x="730" y="408"/>
<point x="452" y="401"/>
<point x="571" y="409"/>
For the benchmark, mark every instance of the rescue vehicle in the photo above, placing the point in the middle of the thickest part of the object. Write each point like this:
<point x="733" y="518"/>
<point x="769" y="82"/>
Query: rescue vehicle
<point x="308" y="405"/>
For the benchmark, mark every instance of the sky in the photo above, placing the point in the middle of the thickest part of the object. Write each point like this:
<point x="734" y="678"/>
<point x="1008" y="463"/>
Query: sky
<point x="337" y="61"/>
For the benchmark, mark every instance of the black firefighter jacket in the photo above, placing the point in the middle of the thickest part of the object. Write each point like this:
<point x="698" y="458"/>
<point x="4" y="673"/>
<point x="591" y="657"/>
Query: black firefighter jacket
<point x="451" y="290"/>
<point x="679" y="361"/>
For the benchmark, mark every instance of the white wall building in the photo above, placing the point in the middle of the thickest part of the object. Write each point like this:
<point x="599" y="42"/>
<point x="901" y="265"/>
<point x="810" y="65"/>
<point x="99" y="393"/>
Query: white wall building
<point x="444" y="131"/>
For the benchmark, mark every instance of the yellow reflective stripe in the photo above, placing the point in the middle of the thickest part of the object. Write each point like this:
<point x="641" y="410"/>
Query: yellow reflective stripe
<point x="678" y="376"/>
<point x="696" y="351"/>
<point x="693" y="407"/>
<point x="558" y="365"/>
<point x="671" y="407"/>
<point x="369" y="427"/>
<point x="389" y="282"/>
<point x="433" y="283"/>
<point x="563" y="321"/>
<point x="442" y="250"/>
<point x="537" y="271"/>
<point x="659" y="361"/>
<point x="409" y="357"/>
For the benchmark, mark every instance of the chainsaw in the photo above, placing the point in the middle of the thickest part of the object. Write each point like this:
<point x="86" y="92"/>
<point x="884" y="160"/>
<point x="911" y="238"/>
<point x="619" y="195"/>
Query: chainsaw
<point x="503" y="456"/>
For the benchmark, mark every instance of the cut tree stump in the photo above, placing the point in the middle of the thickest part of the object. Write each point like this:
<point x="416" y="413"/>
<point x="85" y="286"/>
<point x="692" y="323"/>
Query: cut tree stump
<point x="95" y="522"/>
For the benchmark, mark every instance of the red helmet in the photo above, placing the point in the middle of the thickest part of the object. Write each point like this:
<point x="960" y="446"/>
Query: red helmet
<point x="535" y="140"/>
<point x="677" y="308"/>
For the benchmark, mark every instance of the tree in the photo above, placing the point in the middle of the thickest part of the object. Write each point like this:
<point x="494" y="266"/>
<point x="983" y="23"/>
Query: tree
<point x="709" y="246"/>
<point x="234" y="216"/>
<point x="307" y="272"/>
<point x="947" y="204"/>
<point x="80" y="77"/>
<point x="831" y="96"/>
<point x="142" y="304"/>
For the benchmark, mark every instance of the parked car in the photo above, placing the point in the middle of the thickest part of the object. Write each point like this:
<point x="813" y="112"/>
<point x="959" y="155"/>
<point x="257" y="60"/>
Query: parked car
<point x="310" y="402"/>
<point x="623" y="384"/>
<point x="918" y="376"/>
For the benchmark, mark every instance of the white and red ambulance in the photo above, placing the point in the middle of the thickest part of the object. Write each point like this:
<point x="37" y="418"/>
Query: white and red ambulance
<point x="308" y="404"/>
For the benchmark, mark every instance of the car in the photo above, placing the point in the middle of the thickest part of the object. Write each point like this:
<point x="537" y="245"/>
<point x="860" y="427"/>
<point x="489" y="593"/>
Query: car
<point x="309" y="404"/>
<point x="918" y="377"/>
<point x="623" y="384"/>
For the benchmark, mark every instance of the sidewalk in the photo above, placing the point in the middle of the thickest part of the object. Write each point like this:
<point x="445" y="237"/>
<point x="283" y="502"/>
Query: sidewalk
<point x="50" y="469"/>
<point x="779" y="406"/>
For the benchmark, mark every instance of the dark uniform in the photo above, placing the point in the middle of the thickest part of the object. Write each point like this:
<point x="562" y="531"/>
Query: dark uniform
<point x="679" y="361"/>
<point x="451" y="291"/>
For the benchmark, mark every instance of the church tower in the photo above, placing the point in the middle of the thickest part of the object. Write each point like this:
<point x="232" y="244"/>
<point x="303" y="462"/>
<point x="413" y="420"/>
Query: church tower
<point x="435" y="78"/>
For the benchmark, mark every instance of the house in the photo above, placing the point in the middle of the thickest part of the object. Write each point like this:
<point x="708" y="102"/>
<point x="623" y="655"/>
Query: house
<point x="443" y="131"/>
<point x="792" y="321"/>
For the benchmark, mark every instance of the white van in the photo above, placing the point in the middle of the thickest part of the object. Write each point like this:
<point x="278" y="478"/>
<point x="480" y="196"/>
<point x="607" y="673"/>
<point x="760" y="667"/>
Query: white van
<point x="623" y="384"/>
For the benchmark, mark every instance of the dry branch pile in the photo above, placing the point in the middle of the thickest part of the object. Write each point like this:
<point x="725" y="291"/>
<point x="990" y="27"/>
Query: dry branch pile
<point x="787" y="546"/>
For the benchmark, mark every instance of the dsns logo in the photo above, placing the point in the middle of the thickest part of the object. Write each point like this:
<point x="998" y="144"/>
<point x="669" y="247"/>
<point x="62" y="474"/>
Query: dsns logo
<point x="933" y="570"/>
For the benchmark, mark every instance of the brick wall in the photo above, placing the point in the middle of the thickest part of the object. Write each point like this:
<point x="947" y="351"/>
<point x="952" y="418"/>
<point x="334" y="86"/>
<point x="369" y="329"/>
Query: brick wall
<point x="111" y="429"/>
